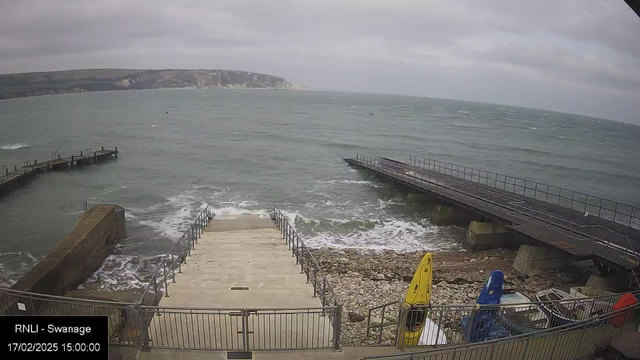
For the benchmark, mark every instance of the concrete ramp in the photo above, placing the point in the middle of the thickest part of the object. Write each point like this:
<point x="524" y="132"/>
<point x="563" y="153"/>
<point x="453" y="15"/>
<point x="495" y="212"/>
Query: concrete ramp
<point x="243" y="269"/>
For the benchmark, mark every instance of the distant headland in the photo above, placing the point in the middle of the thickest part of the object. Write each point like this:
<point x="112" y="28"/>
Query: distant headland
<point x="72" y="81"/>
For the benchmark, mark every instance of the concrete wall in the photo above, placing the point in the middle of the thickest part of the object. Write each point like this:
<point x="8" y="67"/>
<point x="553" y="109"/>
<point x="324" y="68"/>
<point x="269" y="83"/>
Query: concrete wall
<point x="79" y="254"/>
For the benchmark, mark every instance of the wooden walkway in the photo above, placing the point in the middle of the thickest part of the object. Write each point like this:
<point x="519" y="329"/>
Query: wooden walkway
<point x="582" y="236"/>
<point x="12" y="180"/>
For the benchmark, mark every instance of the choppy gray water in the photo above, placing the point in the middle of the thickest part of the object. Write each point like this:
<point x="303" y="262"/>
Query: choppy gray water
<point x="241" y="151"/>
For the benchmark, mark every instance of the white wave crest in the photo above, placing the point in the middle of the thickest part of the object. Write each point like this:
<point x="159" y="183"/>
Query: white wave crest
<point x="232" y="211"/>
<point x="171" y="217"/>
<point x="123" y="272"/>
<point x="13" y="146"/>
<point x="393" y="234"/>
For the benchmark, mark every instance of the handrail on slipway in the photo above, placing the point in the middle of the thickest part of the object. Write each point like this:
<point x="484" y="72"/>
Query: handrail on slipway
<point x="177" y="255"/>
<point x="308" y="263"/>
<point x="309" y="266"/>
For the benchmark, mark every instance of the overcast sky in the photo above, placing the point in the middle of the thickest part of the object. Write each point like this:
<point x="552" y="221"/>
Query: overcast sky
<point x="579" y="56"/>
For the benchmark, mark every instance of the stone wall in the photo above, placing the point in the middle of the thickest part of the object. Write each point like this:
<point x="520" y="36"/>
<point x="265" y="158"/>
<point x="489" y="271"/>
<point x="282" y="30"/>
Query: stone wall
<point x="79" y="254"/>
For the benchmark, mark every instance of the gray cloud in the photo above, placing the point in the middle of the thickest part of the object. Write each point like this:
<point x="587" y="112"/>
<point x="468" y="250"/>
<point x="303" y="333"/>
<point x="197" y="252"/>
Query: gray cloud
<point x="559" y="55"/>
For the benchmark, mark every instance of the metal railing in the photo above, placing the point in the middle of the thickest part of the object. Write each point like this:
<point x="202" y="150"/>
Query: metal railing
<point x="569" y="341"/>
<point x="309" y="266"/>
<point x="240" y="329"/>
<point x="447" y="326"/>
<point x="384" y="317"/>
<point x="165" y="271"/>
<point x="125" y="319"/>
<point x="189" y="328"/>
<point x="518" y="214"/>
<point x="596" y="206"/>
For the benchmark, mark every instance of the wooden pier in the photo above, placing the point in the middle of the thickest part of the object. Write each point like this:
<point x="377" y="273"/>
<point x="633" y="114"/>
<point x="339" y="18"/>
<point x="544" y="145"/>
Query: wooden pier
<point x="12" y="179"/>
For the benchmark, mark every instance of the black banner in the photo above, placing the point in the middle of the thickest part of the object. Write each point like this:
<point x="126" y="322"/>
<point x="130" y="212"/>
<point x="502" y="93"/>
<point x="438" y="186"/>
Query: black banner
<point x="54" y="337"/>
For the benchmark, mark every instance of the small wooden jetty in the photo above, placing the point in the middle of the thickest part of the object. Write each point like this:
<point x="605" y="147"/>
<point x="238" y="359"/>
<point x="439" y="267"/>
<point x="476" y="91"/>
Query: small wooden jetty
<point x="11" y="179"/>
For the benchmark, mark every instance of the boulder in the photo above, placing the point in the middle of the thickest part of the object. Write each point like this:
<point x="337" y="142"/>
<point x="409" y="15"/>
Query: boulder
<point x="355" y="317"/>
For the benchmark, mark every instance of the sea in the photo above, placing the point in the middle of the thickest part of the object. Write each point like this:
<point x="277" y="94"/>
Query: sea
<point x="244" y="151"/>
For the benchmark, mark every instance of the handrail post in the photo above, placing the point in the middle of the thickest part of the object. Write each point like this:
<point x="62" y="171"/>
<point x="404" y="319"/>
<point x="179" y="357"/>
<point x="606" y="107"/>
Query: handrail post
<point x="155" y="286"/>
<point x="142" y="326"/>
<point x="194" y="236"/>
<point x="164" y="270"/>
<point x="315" y="281"/>
<point x="173" y="270"/>
<point x="180" y="255"/>
<point x="337" y="327"/>
<point x="324" y="291"/>
<point x="308" y="263"/>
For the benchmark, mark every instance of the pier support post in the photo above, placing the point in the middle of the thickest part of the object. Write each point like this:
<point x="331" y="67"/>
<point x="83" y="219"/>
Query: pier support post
<point x="420" y="198"/>
<point x="450" y="215"/>
<point x="608" y="283"/>
<point x="484" y="235"/>
<point x="532" y="257"/>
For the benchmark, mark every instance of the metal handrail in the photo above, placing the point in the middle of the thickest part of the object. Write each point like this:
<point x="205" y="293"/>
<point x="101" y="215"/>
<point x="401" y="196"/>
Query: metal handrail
<point x="176" y="256"/>
<point x="504" y="201"/>
<point x="310" y="267"/>
<point x="383" y="315"/>
<point x="300" y="250"/>
<point x="606" y="298"/>
<point x="493" y="179"/>
<point x="583" y="324"/>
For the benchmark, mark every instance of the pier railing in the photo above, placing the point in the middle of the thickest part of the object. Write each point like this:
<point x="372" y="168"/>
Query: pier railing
<point x="596" y="206"/>
<point x="545" y="224"/>
<point x="164" y="272"/>
<point x="309" y="266"/>
<point x="570" y="341"/>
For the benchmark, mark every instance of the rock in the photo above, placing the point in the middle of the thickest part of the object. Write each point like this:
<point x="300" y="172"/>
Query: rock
<point x="375" y="320"/>
<point x="486" y="258"/>
<point x="354" y="317"/>
<point x="471" y="295"/>
<point x="473" y="260"/>
<point x="387" y="335"/>
<point x="386" y="287"/>
<point x="343" y="260"/>
<point x="534" y="272"/>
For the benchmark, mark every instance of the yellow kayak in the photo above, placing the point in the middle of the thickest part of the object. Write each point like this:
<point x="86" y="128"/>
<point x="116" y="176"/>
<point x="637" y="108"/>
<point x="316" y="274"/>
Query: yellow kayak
<point x="419" y="294"/>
